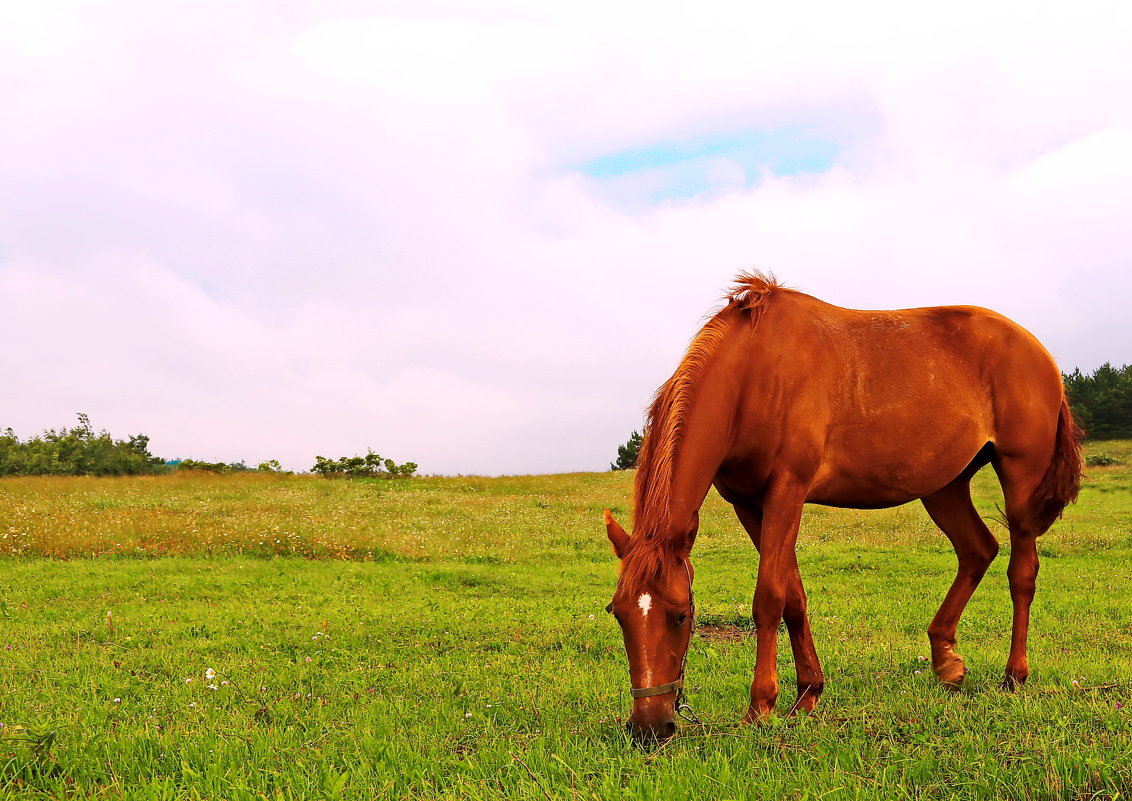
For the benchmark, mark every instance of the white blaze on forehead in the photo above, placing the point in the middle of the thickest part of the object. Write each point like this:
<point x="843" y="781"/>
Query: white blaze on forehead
<point x="645" y="602"/>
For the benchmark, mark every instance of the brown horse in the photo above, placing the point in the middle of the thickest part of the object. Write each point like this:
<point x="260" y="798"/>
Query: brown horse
<point x="783" y="400"/>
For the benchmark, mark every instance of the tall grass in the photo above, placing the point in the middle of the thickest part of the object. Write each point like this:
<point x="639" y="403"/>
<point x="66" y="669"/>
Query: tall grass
<point x="510" y="519"/>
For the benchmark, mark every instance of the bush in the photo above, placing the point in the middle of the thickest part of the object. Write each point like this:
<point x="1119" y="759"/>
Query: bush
<point x="207" y="467"/>
<point x="76" y="451"/>
<point x="369" y="466"/>
<point x="241" y="466"/>
<point x="1101" y="460"/>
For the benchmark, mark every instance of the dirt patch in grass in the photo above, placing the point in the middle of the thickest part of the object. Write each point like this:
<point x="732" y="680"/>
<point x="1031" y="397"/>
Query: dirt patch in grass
<point x="723" y="632"/>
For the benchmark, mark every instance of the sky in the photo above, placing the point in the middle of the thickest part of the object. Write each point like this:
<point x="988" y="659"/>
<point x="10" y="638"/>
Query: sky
<point x="479" y="236"/>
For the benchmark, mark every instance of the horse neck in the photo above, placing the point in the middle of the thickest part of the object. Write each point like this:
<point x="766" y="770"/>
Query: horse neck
<point x="672" y="489"/>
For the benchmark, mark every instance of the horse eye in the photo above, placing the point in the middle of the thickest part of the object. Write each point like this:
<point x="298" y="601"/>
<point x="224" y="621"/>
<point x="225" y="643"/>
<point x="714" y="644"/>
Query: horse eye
<point x="680" y="620"/>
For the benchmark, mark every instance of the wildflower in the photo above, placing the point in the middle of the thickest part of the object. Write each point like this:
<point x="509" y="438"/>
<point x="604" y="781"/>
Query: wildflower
<point x="187" y="681"/>
<point x="591" y="617"/>
<point x="467" y="715"/>
<point x="117" y="700"/>
<point x="308" y="659"/>
<point x="1075" y="683"/>
<point x="209" y="673"/>
<point x="1115" y="705"/>
<point x="212" y="687"/>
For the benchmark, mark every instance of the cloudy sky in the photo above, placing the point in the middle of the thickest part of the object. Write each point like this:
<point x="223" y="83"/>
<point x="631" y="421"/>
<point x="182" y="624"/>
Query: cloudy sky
<point x="478" y="235"/>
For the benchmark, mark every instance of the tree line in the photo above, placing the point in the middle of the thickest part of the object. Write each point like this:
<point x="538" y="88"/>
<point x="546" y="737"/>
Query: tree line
<point x="1102" y="402"/>
<point x="76" y="451"/>
<point x="81" y="451"/>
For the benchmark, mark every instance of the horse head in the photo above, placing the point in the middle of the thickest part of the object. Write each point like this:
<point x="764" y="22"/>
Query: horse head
<point x="655" y="607"/>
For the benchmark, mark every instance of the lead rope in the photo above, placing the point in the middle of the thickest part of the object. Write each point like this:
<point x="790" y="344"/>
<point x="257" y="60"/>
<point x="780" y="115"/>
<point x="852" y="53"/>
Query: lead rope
<point x="683" y="708"/>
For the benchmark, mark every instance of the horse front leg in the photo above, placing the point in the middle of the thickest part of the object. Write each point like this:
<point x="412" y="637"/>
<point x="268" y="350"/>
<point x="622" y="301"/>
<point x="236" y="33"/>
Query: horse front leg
<point x="778" y="569"/>
<point x="811" y="682"/>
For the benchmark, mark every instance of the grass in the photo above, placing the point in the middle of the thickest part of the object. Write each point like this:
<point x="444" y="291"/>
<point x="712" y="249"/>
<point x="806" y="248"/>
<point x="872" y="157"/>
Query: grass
<point x="444" y="638"/>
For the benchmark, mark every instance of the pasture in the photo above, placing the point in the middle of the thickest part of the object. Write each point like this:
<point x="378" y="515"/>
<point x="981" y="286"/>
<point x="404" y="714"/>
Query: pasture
<point x="259" y="636"/>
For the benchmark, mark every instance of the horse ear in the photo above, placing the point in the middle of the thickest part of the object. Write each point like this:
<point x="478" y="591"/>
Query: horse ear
<point x="617" y="536"/>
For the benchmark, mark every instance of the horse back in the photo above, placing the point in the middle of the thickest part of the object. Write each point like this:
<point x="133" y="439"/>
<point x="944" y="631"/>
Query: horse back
<point x="876" y="408"/>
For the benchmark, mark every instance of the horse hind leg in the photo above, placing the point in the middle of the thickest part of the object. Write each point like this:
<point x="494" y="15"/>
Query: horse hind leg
<point x="1027" y="521"/>
<point x="1036" y="487"/>
<point x="951" y="509"/>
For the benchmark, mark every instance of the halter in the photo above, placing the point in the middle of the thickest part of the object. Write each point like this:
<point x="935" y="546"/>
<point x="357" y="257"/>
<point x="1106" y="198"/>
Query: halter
<point x="682" y="707"/>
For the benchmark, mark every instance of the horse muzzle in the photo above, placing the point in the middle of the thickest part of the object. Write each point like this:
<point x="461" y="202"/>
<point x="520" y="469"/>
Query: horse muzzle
<point x="653" y="721"/>
<point x="651" y="733"/>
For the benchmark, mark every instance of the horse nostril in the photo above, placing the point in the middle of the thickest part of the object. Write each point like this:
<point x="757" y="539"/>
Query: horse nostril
<point x="668" y="729"/>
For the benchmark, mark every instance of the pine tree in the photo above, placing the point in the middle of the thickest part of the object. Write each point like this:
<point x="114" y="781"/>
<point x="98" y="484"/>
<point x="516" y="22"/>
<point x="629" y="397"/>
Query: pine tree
<point x="628" y="453"/>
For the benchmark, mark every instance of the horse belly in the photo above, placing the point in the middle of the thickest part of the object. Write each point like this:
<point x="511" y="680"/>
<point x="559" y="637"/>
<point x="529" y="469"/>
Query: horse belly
<point x="892" y="470"/>
<point x="862" y="493"/>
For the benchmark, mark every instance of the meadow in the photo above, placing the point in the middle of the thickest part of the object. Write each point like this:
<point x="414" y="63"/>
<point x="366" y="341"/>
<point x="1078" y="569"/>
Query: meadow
<point x="272" y="636"/>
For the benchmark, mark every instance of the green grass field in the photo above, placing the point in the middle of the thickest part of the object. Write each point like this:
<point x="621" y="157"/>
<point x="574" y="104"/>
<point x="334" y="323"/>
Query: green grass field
<point x="289" y="637"/>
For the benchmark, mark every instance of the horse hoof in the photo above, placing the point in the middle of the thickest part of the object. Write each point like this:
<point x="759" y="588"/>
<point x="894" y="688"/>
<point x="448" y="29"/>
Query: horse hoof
<point x="951" y="672"/>
<point x="803" y="704"/>
<point x="754" y="718"/>
<point x="953" y="680"/>
<point x="808" y="695"/>
<point x="1013" y="680"/>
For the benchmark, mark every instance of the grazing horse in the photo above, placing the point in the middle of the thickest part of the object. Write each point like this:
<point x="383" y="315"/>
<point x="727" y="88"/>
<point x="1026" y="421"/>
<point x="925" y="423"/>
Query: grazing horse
<point x="783" y="400"/>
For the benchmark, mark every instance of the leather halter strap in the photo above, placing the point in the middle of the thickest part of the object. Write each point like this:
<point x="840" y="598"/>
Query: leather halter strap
<point x="645" y="692"/>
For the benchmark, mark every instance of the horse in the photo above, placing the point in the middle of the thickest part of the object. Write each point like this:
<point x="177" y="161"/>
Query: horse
<point x="782" y="400"/>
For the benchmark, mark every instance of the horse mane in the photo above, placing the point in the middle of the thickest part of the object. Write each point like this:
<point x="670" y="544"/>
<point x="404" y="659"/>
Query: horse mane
<point x="653" y="545"/>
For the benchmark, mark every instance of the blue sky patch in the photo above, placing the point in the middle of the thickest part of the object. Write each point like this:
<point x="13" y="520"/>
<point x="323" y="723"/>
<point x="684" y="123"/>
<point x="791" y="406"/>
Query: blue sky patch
<point x="681" y="169"/>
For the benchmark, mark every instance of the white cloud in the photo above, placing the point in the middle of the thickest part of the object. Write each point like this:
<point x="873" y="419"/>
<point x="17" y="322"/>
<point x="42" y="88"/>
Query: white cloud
<point x="254" y="233"/>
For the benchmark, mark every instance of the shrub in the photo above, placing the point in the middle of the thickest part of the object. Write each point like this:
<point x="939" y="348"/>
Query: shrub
<point x="1101" y="460"/>
<point x="208" y="467"/>
<point x="369" y="466"/>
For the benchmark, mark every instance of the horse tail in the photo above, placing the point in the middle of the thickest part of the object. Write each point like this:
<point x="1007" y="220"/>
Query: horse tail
<point x="1062" y="481"/>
